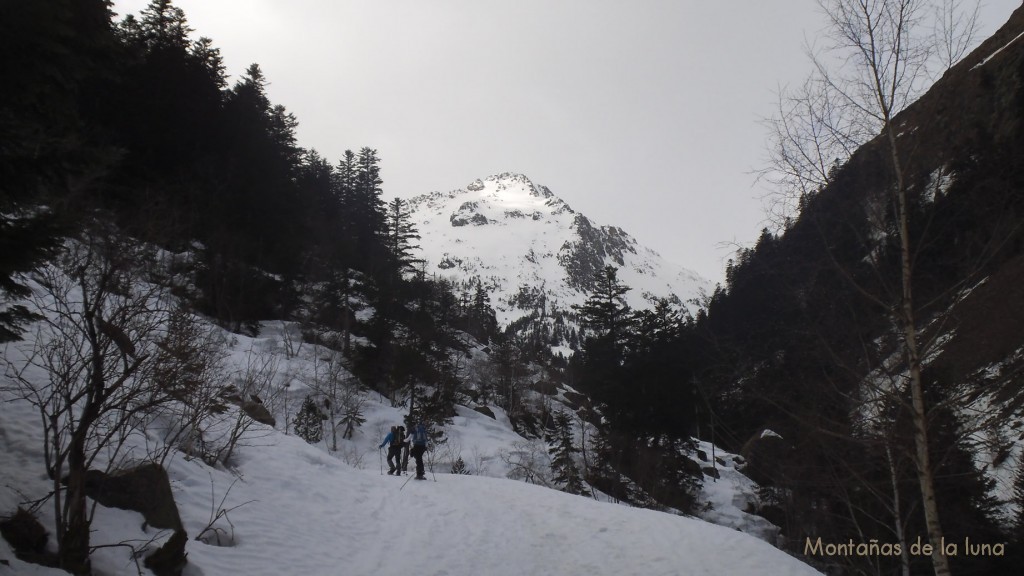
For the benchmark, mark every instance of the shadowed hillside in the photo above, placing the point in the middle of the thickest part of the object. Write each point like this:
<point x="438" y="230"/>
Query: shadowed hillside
<point x="804" y="339"/>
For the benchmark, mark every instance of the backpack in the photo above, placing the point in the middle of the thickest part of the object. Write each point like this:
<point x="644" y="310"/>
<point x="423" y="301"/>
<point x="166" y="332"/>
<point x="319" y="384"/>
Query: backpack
<point x="397" y="436"/>
<point x="419" y="436"/>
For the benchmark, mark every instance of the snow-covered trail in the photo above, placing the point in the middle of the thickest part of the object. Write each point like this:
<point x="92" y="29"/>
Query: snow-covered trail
<point x="294" y="509"/>
<point x="504" y="527"/>
<point x="316" y="515"/>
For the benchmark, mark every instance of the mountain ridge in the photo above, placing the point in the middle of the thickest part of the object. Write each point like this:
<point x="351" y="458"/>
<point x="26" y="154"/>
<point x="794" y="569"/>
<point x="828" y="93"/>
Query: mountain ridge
<point x="532" y="250"/>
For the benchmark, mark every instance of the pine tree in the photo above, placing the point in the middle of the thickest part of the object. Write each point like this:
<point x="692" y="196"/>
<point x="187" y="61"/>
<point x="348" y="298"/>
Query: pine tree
<point x="459" y="466"/>
<point x="483" y="321"/>
<point x="163" y="26"/>
<point x="510" y="372"/>
<point x="212" y="63"/>
<point x="608" y="321"/>
<point x="53" y="53"/>
<point x="605" y="312"/>
<point x="309" y="422"/>
<point x="368" y="209"/>
<point x="25" y="242"/>
<point x="400" y="234"/>
<point x="562" y="448"/>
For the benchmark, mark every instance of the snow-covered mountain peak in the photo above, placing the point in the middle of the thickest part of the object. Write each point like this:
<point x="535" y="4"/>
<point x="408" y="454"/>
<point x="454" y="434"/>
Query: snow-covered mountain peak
<point x="510" y="189"/>
<point x="499" y="199"/>
<point x="533" y="251"/>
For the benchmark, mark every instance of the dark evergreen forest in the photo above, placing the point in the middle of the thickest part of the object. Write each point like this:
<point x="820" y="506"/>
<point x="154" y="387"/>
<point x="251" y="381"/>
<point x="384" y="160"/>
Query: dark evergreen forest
<point x="133" y="121"/>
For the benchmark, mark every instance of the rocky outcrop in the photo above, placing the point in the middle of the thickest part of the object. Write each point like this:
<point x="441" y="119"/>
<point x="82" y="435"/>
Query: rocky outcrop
<point x="596" y="247"/>
<point x="27" y="538"/>
<point x="485" y="411"/>
<point x="145" y="489"/>
<point x="258" y="412"/>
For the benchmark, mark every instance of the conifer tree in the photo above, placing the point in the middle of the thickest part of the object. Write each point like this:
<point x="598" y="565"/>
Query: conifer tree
<point x="607" y="318"/>
<point x="25" y="242"/>
<point x="164" y="26"/>
<point x="53" y="51"/>
<point x="309" y="422"/>
<point x="208" y="57"/>
<point x="368" y="209"/>
<point x="605" y="312"/>
<point x="165" y="111"/>
<point x="459" y="466"/>
<point x="562" y="448"/>
<point x="400" y="234"/>
<point x="510" y="372"/>
<point x="483" y="321"/>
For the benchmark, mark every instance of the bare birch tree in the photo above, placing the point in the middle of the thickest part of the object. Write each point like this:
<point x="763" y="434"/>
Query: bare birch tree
<point x="878" y="56"/>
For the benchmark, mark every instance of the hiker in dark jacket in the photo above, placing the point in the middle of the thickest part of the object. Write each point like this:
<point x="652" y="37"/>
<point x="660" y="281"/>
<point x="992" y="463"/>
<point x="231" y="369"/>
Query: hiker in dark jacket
<point x="394" y="441"/>
<point x="419" y="446"/>
<point x="405" y="449"/>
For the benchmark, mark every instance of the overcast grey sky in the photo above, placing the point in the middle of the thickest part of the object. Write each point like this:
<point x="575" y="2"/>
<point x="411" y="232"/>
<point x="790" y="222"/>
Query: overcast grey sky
<point x="642" y="114"/>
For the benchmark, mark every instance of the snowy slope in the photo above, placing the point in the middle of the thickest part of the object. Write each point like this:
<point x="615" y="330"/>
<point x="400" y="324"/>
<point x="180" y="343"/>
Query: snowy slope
<point x="294" y="508"/>
<point x="299" y="510"/>
<point x="515" y="235"/>
<point x="727" y="499"/>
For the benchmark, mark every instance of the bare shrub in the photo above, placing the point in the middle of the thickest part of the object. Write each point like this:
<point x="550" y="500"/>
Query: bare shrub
<point x="528" y="461"/>
<point x="90" y="370"/>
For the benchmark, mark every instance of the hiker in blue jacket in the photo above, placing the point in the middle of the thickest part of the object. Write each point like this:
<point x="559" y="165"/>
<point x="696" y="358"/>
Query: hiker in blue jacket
<point x="394" y="441"/>
<point x="419" y="446"/>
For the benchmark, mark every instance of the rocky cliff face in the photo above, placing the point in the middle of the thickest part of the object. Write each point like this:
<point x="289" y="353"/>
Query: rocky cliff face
<point x="530" y="249"/>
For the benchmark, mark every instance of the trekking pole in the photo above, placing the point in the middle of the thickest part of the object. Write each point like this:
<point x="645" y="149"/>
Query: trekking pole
<point x="406" y="482"/>
<point x="380" y="456"/>
<point x="431" y="462"/>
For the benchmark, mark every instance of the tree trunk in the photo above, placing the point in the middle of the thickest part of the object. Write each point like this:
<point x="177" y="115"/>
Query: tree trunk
<point x="73" y="549"/>
<point x="74" y="543"/>
<point x="897" y="514"/>
<point x="334" y="429"/>
<point x="925" y="474"/>
<point x="919" y="413"/>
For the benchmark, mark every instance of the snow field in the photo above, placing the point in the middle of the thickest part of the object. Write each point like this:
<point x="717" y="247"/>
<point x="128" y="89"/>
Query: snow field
<point x="295" y="509"/>
<point x="316" y="515"/>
